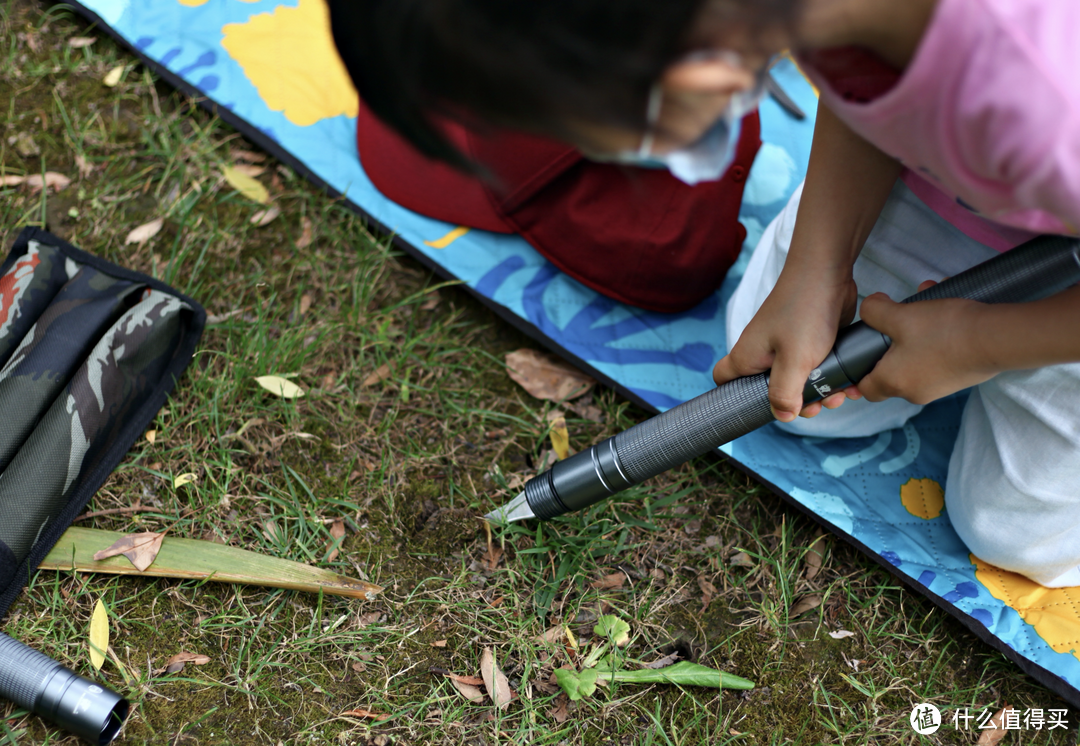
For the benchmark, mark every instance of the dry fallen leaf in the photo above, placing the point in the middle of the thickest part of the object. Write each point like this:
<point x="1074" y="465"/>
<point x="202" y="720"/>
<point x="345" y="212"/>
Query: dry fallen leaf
<point x="561" y="711"/>
<point x="545" y="377"/>
<point x="468" y="691"/>
<point x="78" y="42"/>
<point x="279" y="386"/>
<point x="177" y="662"/>
<point x="664" y="662"/>
<point x="741" y="559"/>
<point x="337" y="533"/>
<point x="145" y="232"/>
<point x="555" y="634"/>
<point x="993" y="735"/>
<point x="589" y="412"/>
<point x="439" y="644"/>
<point x="708" y="591"/>
<point x="99" y="635"/>
<point x="365" y="714"/>
<point x="142" y="549"/>
<point x="239" y="154"/>
<point x="549" y="685"/>
<point x="246" y="185"/>
<point x="151" y="436"/>
<point x="25" y="145"/>
<point x="498" y="688"/>
<point x="271" y="530"/>
<point x="805" y="604"/>
<point x="6" y="181"/>
<point x="264" y="217"/>
<point x="609" y="582"/>
<point x="814" y="557"/>
<point x="560" y="438"/>
<point x="470" y="680"/>
<point x="183" y="479"/>
<point x="50" y="180"/>
<point x="249" y="170"/>
<point x="307" y="232"/>
<point x="305" y="303"/>
<point x="112" y="78"/>
<point x="570" y="638"/>
<point x="380" y="374"/>
<point x="495" y="553"/>
<point x="841" y="634"/>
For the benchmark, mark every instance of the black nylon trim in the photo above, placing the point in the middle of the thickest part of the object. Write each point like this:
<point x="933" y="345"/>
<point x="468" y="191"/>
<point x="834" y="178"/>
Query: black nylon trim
<point x="8" y="565"/>
<point x="129" y="432"/>
<point x="1045" y="677"/>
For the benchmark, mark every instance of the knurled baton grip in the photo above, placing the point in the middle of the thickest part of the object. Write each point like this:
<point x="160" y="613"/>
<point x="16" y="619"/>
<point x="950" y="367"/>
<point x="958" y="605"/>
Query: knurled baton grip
<point x="652" y="447"/>
<point x="22" y="671"/>
<point x="1038" y="269"/>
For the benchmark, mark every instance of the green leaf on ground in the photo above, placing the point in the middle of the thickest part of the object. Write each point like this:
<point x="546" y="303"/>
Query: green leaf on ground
<point x="577" y="685"/>
<point x="684" y="674"/>
<point x="192" y="559"/>
<point x="611" y="627"/>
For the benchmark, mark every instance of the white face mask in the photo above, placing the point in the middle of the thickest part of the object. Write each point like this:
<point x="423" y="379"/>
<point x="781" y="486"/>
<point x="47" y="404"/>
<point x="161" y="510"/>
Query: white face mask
<point x="707" y="158"/>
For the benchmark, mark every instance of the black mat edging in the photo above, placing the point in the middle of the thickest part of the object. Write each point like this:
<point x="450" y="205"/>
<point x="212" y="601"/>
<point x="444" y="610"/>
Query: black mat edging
<point x="90" y="482"/>
<point x="1045" y="677"/>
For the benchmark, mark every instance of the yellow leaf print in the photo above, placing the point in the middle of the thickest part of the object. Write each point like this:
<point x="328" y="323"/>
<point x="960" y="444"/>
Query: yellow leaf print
<point x="1053" y="612"/>
<point x="290" y="58"/>
<point x="923" y="498"/>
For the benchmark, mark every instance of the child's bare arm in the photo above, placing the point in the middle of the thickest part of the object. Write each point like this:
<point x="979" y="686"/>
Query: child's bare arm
<point x="847" y="184"/>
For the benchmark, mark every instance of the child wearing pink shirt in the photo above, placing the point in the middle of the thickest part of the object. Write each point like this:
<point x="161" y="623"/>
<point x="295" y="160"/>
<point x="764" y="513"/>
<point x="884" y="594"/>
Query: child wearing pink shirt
<point x="947" y="130"/>
<point x="982" y="127"/>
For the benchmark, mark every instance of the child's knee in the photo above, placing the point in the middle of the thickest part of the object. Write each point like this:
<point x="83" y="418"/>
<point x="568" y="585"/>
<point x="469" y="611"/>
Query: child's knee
<point x="1004" y="523"/>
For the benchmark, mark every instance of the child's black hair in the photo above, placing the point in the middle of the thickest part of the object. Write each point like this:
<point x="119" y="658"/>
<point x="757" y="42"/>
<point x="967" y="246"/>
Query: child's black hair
<point x="537" y="65"/>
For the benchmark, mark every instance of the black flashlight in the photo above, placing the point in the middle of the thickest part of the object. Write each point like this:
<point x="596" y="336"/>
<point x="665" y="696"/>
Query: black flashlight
<point x="38" y="683"/>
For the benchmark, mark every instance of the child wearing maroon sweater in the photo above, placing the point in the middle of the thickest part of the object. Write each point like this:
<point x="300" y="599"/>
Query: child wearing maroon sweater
<point x="947" y="130"/>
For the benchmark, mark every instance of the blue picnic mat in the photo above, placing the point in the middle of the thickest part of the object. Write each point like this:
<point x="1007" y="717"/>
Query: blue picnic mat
<point x="269" y="68"/>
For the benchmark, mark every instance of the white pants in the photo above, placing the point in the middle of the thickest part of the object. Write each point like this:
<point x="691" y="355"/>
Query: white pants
<point x="1013" y="489"/>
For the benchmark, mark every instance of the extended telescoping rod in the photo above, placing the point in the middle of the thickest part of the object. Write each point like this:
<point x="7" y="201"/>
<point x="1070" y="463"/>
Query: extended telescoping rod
<point x="39" y="684"/>
<point x="1038" y="269"/>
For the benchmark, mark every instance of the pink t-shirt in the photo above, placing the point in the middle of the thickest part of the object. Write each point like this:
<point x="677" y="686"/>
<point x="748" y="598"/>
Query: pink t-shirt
<point x="986" y="118"/>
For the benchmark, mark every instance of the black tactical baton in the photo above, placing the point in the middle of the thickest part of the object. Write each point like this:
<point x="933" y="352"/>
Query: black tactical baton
<point x="1038" y="269"/>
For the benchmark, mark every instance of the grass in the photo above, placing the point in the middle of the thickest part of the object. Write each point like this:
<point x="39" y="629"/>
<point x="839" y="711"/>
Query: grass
<point x="410" y="462"/>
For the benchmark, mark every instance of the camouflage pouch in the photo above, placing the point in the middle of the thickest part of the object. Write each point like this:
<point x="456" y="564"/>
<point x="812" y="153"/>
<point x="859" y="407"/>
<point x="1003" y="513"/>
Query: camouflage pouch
<point x="88" y="354"/>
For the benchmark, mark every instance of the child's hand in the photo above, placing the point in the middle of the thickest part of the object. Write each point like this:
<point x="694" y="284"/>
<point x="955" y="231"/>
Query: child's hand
<point x="792" y="333"/>
<point x="932" y="354"/>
